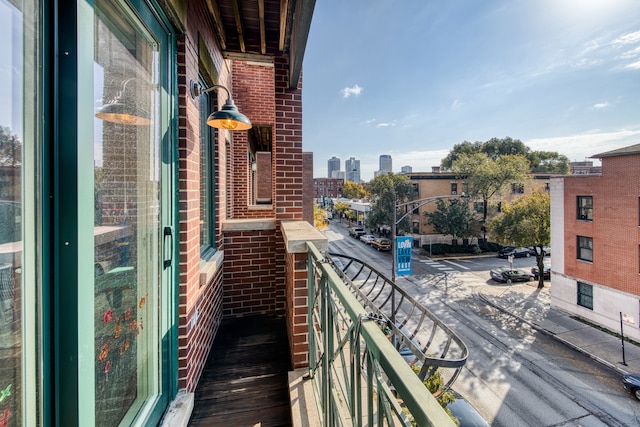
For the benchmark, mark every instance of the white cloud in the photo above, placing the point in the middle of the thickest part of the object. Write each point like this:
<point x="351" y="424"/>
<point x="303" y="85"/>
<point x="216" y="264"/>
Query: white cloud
<point x="628" y="38"/>
<point x="633" y="66"/>
<point x="583" y="146"/>
<point x="385" y="125"/>
<point x="355" y="90"/>
<point x="456" y="104"/>
<point x="601" y="105"/>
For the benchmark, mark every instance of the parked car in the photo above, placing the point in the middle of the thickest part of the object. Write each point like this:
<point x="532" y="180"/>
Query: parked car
<point x="546" y="249"/>
<point x="466" y="414"/>
<point x="367" y="238"/>
<point x="381" y="244"/>
<point x="514" y="252"/>
<point x="356" y="232"/>
<point x="631" y="383"/>
<point x="546" y="273"/>
<point x="509" y="275"/>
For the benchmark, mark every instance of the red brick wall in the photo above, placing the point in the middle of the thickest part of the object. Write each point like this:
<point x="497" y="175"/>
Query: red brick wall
<point x="250" y="285"/>
<point x="199" y="305"/>
<point x="252" y="279"/>
<point x="615" y="227"/>
<point x="297" y="309"/>
<point x="307" y="187"/>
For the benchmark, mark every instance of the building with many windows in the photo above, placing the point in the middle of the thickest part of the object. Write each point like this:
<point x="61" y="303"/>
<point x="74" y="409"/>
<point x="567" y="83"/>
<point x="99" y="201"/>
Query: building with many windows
<point x="438" y="184"/>
<point x="327" y="188"/>
<point x="595" y="237"/>
<point x="352" y="170"/>
<point x="333" y="167"/>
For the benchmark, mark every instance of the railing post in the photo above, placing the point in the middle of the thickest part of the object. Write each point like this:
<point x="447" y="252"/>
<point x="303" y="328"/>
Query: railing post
<point x="327" y="328"/>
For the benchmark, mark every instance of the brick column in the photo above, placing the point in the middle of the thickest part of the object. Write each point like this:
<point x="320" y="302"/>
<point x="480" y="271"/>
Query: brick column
<point x="296" y="234"/>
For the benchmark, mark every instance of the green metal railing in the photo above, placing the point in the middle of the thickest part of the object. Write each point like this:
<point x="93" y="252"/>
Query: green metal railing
<point x="360" y="377"/>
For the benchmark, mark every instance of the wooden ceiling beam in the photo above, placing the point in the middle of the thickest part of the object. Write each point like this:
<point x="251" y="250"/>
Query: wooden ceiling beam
<point x="217" y="22"/>
<point x="263" y="30"/>
<point x="237" y="13"/>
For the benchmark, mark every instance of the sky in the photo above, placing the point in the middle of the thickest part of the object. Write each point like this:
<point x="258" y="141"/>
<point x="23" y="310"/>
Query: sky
<point x="412" y="78"/>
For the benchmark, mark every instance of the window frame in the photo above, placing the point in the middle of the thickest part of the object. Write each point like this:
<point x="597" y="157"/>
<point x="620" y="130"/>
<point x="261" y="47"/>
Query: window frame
<point x="584" y="243"/>
<point x="584" y="299"/>
<point x="582" y="209"/>
<point x="208" y="245"/>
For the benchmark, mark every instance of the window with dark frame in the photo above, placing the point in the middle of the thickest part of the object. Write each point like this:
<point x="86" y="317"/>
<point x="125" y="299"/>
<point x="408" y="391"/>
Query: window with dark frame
<point x="585" y="248"/>
<point x="585" y="208"/>
<point x="585" y="295"/>
<point x="207" y="182"/>
<point x="454" y="188"/>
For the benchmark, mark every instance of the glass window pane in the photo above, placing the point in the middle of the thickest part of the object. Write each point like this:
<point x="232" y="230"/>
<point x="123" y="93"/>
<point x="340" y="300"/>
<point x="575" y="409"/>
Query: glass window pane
<point x="126" y="215"/>
<point x="18" y="67"/>
<point x="207" y="185"/>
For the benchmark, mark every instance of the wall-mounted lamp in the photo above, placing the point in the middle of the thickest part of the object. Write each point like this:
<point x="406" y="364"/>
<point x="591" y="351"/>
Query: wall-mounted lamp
<point x="228" y="117"/>
<point x="124" y="109"/>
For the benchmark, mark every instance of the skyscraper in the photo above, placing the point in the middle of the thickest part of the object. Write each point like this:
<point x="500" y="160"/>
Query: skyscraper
<point x="385" y="163"/>
<point x="333" y="165"/>
<point x="352" y="170"/>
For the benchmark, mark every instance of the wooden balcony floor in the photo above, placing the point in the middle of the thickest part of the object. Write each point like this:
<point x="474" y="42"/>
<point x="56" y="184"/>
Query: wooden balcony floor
<point x="245" y="382"/>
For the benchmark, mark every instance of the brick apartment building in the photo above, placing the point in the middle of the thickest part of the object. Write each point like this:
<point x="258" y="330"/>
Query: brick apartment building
<point x="436" y="183"/>
<point x="595" y="235"/>
<point x="327" y="188"/>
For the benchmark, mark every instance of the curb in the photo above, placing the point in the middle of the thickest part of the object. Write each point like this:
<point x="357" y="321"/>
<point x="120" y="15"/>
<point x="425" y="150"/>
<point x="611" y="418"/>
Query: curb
<point x="548" y="333"/>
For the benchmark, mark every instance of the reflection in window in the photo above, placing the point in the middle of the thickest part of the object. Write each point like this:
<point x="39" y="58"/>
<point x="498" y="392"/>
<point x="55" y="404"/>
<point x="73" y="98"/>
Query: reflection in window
<point x="207" y="176"/>
<point x="585" y="295"/>
<point x="127" y="218"/>
<point x="585" y="248"/>
<point x="260" y="165"/>
<point x="18" y="32"/>
<point x="585" y="208"/>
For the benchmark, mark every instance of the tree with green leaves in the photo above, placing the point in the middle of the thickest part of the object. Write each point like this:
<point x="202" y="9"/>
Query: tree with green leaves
<point x="351" y="190"/>
<point x="526" y="223"/>
<point x="387" y="191"/>
<point x="486" y="178"/>
<point x="10" y="148"/>
<point x="342" y="208"/>
<point x="539" y="161"/>
<point x="454" y="218"/>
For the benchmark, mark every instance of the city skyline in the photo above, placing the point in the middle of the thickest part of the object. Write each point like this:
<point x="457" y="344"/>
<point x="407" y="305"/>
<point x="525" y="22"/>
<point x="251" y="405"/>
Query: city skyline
<point x="558" y="75"/>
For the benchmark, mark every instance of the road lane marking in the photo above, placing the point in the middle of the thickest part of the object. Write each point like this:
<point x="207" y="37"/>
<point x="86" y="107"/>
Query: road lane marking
<point x="456" y="264"/>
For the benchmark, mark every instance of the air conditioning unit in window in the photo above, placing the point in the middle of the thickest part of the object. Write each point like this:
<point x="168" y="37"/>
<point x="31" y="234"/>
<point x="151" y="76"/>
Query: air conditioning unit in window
<point x="454" y="192"/>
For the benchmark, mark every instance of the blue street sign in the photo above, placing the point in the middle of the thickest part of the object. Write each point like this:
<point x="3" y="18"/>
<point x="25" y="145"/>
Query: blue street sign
<point x="404" y="245"/>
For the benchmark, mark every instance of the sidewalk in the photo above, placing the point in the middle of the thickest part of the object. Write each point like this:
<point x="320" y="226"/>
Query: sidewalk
<point x="532" y="305"/>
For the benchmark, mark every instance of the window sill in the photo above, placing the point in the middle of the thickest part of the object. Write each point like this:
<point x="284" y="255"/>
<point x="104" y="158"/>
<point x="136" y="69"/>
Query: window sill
<point x="209" y="268"/>
<point x="260" y="207"/>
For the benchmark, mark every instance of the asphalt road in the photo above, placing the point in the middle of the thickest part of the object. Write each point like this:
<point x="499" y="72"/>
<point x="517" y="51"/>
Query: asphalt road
<point x="514" y="375"/>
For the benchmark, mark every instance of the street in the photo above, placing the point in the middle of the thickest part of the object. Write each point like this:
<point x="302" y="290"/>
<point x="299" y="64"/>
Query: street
<point x="515" y="375"/>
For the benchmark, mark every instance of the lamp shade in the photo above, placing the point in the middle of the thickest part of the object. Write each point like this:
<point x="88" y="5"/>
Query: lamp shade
<point x="228" y="117"/>
<point x="123" y="112"/>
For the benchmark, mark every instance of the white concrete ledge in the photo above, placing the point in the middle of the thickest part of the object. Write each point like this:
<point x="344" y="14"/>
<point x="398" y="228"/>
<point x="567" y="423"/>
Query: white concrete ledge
<point x="179" y="411"/>
<point x="297" y="233"/>
<point x="304" y="405"/>
<point x="251" y="224"/>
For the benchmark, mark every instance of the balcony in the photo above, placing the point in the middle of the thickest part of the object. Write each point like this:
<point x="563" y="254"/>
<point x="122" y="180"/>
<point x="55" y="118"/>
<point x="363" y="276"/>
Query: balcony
<point x="353" y="372"/>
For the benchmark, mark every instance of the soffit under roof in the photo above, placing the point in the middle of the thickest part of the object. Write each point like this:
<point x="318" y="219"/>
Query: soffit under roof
<point x="252" y="29"/>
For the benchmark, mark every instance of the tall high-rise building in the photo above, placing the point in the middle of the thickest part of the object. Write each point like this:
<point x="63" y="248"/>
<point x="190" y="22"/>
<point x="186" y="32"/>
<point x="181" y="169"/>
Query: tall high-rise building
<point x="352" y="170"/>
<point x="333" y="165"/>
<point x="385" y="163"/>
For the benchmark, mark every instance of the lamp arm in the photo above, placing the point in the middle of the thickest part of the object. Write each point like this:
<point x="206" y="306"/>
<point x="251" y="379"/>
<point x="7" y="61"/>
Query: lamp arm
<point x="197" y="90"/>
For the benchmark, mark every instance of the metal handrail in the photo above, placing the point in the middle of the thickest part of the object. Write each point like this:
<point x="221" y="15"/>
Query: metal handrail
<point x="359" y="376"/>
<point x="435" y="347"/>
